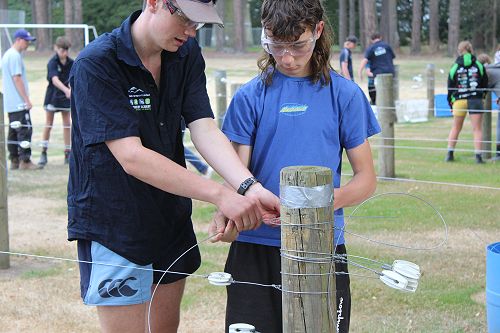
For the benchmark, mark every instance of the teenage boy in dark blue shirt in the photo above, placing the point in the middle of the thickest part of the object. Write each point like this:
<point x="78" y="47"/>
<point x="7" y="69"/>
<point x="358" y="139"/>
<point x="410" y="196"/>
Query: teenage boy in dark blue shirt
<point x="128" y="188"/>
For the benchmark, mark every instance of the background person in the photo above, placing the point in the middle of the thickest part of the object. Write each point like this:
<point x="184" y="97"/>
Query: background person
<point x="466" y="80"/>
<point x="493" y="72"/>
<point x="129" y="190"/>
<point x="346" y="57"/>
<point x="380" y="56"/>
<point x="16" y="101"/>
<point x="330" y="114"/>
<point x="57" y="97"/>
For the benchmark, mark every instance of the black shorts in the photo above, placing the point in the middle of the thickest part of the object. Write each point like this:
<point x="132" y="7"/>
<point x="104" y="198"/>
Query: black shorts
<point x="261" y="306"/>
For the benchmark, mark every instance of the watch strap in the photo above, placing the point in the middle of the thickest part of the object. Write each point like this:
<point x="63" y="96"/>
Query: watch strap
<point x="245" y="185"/>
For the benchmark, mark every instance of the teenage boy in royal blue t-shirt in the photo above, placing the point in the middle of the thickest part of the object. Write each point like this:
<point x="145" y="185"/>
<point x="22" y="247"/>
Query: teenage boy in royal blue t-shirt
<point x="296" y="112"/>
<point x="380" y="57"/>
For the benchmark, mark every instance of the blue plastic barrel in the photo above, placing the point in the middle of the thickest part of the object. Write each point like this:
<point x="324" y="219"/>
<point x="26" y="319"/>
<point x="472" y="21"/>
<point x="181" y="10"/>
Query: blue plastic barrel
<point x="493" y="287"/>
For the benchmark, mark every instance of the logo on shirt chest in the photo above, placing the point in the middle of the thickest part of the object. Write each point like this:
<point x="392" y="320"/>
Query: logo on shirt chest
<point x="293" y="109"/>
<point x="139" y="99"/>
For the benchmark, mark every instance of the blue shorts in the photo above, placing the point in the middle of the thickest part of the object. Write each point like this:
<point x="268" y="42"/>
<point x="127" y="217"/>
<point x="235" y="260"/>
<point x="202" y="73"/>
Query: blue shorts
<point x="108" y="279"/>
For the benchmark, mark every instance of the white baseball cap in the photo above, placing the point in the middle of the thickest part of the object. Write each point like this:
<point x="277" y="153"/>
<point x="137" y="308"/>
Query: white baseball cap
<point x="201" y="11"/>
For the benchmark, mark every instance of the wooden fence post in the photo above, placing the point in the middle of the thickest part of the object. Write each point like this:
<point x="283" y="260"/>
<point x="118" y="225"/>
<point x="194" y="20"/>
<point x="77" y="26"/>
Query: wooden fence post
<point x="395" y="83"/>
<point x="234" y="88"/>
<point x="220" y="96"/>
<point x="486" y="127"/>
<point x="386" y="117"/>
<point x="4" y="216"/>
<point x="308" y="274"/>
<point x="431" y="81"/>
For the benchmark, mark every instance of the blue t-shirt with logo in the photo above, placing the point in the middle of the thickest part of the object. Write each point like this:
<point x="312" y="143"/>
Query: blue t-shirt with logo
<point x="296" y="122"/>
<point x="380" y="56"/>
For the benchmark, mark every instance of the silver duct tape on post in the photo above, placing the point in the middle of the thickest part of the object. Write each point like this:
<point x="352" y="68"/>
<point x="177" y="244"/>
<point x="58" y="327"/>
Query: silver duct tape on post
<point x="306" y="197"/>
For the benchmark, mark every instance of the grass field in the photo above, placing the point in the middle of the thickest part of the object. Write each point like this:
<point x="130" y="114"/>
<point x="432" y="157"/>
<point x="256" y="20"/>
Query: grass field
<point x="43" y="295"/>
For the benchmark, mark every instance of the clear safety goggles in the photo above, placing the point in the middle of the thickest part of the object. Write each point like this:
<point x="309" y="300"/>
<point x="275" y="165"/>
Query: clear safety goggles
<point x="295" y="49"/>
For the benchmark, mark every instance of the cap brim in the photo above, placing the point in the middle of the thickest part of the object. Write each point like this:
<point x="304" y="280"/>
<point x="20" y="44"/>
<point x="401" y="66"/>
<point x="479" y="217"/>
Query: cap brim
<point x="30" y="39"/>
<point x="200" y="12"/>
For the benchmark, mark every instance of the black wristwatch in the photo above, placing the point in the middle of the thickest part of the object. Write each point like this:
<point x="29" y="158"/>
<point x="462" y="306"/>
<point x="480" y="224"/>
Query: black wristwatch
<point x="246" y="185"/>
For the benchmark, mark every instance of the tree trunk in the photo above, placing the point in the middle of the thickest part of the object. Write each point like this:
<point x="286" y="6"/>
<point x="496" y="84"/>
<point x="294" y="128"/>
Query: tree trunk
<point x="68" y="18"/>
<point x="393" y="24"/>
<point x="43" y="42"/>
<point x="4" y="19"/>
<point x="362" y="30"/>
<point x="352" y="17"/>
<point x="416" y="25"/>
<point x="494" y="26"/>
<point x="239" y="26"/>
<point x="342" y="22"/>
<point x="384" y="29"/>
<point x="78" y="19"/>
<point x="218" y="31"/>
<point x="453" y="26"/>
<point x="370" y="18"/>
<point x="434" y="25"/>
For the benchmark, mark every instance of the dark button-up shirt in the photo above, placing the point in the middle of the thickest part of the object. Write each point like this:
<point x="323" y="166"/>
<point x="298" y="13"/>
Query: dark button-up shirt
<point x="114" y="96"/>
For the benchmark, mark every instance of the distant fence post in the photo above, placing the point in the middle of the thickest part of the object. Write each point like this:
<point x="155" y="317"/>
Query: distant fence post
<point x="220" y="95"/>
<point x="4" y="216"/>
<point x="431" y="82"/>
<point x="386" y="117"/>
<point x="486" y="127"/>
<point x="395" y="83"/>
<point x="307" y="271"/>
<point x="234" y="88"/>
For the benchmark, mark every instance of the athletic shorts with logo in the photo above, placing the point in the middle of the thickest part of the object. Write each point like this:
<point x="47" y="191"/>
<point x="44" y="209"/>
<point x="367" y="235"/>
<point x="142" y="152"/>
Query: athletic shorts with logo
<point x="108" y="279"/>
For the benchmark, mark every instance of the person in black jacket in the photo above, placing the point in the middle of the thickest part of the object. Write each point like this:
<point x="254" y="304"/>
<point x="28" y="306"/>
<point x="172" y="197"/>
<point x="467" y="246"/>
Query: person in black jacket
<point x="466" y="83"/>
<point x="57" y="96"/>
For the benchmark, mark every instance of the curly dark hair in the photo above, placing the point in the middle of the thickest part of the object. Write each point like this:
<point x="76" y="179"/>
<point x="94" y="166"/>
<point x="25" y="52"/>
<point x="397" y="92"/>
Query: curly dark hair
<point x="287" y="20"/>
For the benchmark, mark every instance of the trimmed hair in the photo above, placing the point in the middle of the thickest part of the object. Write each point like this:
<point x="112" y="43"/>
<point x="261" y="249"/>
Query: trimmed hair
<point x="464" y="47"/>
<point x="287" y="20"/>
<point x="375" y="35"/>
<point x="63" y="42"/>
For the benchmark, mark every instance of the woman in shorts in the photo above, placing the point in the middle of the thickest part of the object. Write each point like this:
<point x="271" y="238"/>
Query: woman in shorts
<point x="466" y="83"/>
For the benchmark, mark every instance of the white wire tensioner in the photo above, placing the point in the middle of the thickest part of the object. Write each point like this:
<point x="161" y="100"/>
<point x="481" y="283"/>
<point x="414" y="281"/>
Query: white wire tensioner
<point x="402" y="275"/>
<point x="406" y="268"/>
<point x="241" y="328"/>
<point x="15" y="124"/>
<point x="393" y="279"/>
<point x="221" y="279"/>
<point x="25" y="144"/>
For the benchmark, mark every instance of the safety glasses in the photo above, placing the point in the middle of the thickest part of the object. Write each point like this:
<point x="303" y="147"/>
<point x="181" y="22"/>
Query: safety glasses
<point x="295" y="49"/>
<point x="184" y="19"/>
